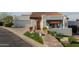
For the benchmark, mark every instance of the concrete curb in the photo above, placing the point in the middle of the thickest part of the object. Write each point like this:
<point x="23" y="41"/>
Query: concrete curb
<point x="25" y="38"/>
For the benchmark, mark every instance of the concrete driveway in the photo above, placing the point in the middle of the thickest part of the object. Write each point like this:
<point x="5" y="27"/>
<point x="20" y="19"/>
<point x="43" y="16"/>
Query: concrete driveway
<point x="8" y="39"/>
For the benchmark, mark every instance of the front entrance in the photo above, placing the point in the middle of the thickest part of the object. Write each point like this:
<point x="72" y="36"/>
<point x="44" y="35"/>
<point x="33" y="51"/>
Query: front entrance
<point x="38" y="24"/>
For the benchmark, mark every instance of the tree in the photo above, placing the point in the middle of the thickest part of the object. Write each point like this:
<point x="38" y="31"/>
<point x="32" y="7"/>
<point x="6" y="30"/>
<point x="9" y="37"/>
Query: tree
<point x="8" y="21"/>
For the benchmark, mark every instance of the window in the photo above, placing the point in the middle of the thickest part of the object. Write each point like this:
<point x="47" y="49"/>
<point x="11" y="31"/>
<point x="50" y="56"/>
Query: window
<point x="55" y="23"/>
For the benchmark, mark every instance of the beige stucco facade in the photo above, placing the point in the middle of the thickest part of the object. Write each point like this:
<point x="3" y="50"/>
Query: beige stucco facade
<point x="45" y="18"/>
<point x="63" y="30"/>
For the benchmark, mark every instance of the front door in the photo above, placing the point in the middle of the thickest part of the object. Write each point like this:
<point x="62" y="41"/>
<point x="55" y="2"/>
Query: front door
<point x="38" y="25"/>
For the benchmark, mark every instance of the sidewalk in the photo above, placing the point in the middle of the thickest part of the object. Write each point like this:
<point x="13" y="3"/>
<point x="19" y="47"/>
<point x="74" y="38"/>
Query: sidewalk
<point x="51" y="41"/>
<point x="19" y="32"/>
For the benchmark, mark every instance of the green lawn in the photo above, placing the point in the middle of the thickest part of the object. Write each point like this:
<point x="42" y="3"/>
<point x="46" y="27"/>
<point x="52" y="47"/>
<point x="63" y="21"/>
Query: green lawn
<point x="34" y="36"/>
<point x="71" y="45"/>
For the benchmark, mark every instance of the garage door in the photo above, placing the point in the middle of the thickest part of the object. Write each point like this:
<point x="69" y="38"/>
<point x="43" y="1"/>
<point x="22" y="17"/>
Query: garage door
<point x="21" y="23"/>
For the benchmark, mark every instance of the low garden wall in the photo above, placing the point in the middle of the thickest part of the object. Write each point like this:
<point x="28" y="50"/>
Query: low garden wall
<point x="64" y="31"/>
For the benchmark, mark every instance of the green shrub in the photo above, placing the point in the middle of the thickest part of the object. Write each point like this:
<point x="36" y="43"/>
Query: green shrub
<point x="53" y="33"/>
<point x="1" y="23"/>
<point x="59" y="36"/>
<point x="71" y="45"/>
<point x="8" y="25"/>
<point x="8" y="21"/>
<point x="72" y="39"/>
<point x="45" y="28"/>
<point x="34" y="36"/>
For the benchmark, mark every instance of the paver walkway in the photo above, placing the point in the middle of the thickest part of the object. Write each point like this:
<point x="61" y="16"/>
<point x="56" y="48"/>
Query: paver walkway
<point x="8" y="39"/>
<point x="51" y="41"/>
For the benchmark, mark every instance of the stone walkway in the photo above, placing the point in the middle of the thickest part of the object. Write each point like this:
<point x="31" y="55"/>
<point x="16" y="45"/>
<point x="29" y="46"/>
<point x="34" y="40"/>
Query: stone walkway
<point x="51" y="41"/>
<point x="8" y="39"/>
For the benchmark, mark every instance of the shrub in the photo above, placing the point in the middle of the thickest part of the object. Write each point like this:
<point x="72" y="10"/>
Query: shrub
<point x="59" y="36"/>
<point x="34" y="36"/>
<point x="52" y="33"/>
<point x="71" y="45"/>
<point x="1" y="23"/>
<point x="9" y="24"/>
<point x="44" y="28"/>
<point x="72" y="39"/>
<point x="8" y="21"/>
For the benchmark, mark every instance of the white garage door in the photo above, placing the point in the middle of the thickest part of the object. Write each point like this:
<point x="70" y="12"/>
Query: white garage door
<point x="22" y="23"/>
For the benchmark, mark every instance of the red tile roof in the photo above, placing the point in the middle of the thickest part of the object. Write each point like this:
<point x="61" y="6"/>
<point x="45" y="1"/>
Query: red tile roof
<point x="37" y="15"/>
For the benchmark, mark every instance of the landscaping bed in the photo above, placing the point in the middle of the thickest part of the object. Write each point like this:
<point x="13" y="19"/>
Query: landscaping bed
<point x="34" y="36"/>
<point x="67" y="41"/>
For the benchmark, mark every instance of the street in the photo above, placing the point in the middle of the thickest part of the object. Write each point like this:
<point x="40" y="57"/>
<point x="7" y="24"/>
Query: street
<point x="8" y="39"/>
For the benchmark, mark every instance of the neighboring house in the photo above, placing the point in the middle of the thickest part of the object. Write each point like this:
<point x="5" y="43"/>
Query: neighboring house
<point x="53" y="20"/>
<point x="77" y="20"/>
<point x="73" y="25"/>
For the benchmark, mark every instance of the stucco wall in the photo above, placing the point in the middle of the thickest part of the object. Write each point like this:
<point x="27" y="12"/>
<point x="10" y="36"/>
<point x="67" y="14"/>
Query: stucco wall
<point x="65" y="31"/>
<point x="61" y="17"/>
<point x="45" y="18"/>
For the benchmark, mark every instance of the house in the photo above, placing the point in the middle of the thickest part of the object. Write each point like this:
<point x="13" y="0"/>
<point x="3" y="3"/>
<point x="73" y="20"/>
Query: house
<point x="77" y="20"/>
<point x="73" y="25"/>
<point x="53" y="20"/>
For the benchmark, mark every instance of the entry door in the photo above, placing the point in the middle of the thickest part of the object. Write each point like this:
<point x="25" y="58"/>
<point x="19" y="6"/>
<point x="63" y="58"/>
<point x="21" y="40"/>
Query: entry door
<point x="38" y="25"/>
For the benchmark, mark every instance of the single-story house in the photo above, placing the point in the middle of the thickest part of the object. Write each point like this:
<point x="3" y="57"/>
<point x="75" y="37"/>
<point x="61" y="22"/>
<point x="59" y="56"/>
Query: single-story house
<point x="53" y="20"/>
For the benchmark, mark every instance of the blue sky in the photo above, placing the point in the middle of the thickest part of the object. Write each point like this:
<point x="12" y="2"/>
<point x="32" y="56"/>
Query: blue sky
<point x="72" y="15"/>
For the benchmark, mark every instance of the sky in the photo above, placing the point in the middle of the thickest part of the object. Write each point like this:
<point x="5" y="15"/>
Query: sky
<point x="19" y="13"/>
<point x="72" y="15"/>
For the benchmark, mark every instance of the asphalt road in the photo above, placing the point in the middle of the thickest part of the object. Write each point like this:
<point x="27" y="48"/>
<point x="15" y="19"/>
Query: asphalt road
<point x="8" y="39"/>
